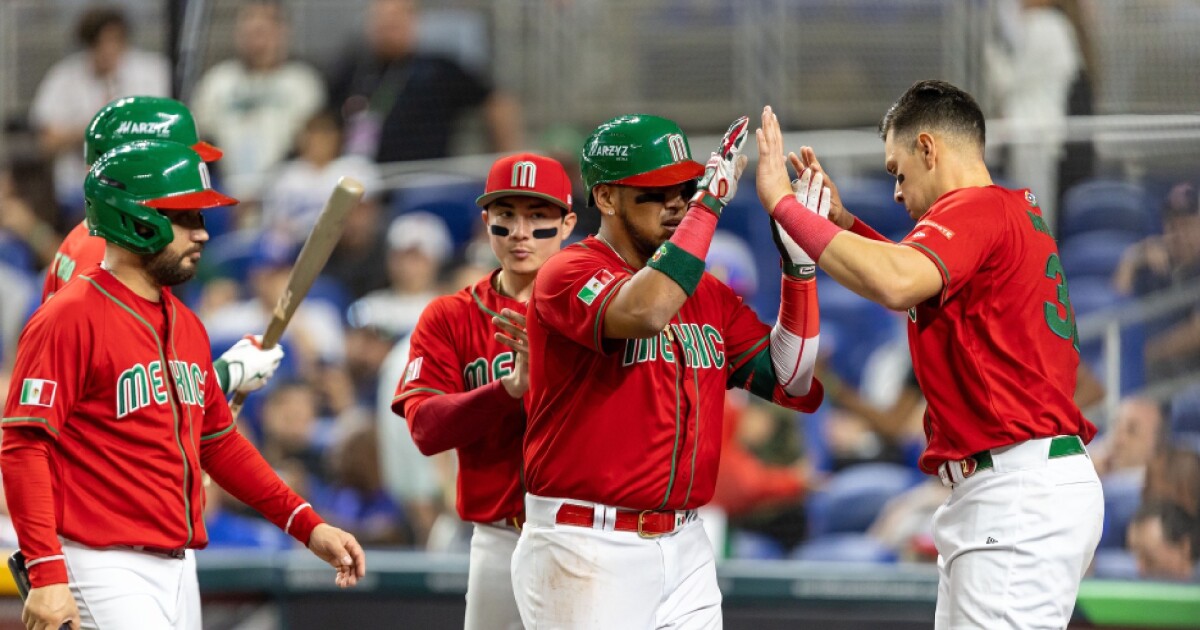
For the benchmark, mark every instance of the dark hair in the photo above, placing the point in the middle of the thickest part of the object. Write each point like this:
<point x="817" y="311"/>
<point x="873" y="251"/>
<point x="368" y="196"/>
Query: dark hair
<point x="95" y="20"/>
<point x="933" y="104"/>
<point x="1177" y="524"/>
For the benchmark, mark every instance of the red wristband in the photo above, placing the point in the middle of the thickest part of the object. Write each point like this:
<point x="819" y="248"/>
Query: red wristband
<point x="695" y="231"/>
<point x="810" y="231"/>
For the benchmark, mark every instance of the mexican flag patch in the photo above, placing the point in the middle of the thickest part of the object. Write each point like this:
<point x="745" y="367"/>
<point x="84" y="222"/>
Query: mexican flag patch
<point x="36" y="391"/>
<point x="594" y="286"/>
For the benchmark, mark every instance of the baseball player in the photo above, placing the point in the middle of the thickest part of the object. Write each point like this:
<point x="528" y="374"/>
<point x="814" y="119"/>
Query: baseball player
<point x="994" y="348"/>
<point x="634" y="346"/>
<point x="245" y="366"/>
<point x="465" y="380"/>
<point x="114" y="411"/>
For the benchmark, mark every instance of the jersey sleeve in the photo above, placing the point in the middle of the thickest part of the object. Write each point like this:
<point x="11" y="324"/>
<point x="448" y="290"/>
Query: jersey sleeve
<point x="572" y="293"/>
<point x="218" y="419"/>
<point x="959" y="237"/>
<point x="434" y="367"/>
<point x="50" y="373"/>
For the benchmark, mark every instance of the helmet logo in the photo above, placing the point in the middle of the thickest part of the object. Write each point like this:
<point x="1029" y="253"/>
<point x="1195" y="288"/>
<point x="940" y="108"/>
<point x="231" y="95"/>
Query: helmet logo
<point x="608" y="150"/>
<point x="142" y="128"/>
<point x="204" y="177"/>
<point x="678" y="145"/>
<point x="524" y="175"/>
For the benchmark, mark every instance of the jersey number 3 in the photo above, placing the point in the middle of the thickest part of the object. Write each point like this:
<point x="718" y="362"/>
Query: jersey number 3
<point x="1060" y="315"/>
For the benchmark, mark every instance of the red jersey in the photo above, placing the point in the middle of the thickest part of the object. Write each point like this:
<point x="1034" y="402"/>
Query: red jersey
<point x="78" y="251"/>
<point x="125" y="390"/>
<point x="634" y="423"/>
<point x="996" y="353"/>
<point x="454" y="350"/>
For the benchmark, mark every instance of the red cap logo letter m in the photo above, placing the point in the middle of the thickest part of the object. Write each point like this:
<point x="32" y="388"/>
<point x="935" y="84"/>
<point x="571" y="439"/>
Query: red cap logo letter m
<point x="524" y="175"/>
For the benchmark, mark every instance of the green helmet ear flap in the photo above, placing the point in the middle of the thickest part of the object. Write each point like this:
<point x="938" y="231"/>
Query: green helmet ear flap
<point x="119" y="219"/>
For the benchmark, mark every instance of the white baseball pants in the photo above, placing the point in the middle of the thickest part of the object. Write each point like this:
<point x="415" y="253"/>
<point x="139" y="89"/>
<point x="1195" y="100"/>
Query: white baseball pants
<point x="1015" y="540"/>
<point x="117" y="588"/>
<point x="490" y="601"/>
<point x="566" y="576"/>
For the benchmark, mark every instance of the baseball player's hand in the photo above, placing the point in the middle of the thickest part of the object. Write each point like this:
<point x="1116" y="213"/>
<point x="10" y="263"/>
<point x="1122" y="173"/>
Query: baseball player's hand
<point x="50" y="607"/>
<point x="719" y="183"/>
<point x="814" y="196"/>
<point x="516" y="383"/>
<point x="341" y="550"/>
<point x="773" y="181"/>
<point x="250" y="366"/>
<point x="837" y="212"/>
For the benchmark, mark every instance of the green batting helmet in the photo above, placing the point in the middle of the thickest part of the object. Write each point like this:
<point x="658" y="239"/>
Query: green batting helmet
<point x="637" y="150"/>
<point x="143" y="118"/>
<point x="129" y="187"/>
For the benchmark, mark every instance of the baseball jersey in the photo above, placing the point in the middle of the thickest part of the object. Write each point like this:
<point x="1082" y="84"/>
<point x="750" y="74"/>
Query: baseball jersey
<point x="124" y="388"/>
<point x="996" y="352"/>
<point x="78" y="251"/>
<point x="634" y="423"/>
<point x="454" y="350"/>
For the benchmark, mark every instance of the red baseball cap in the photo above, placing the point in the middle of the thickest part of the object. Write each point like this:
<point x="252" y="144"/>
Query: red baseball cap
<point x="529" y="175"/>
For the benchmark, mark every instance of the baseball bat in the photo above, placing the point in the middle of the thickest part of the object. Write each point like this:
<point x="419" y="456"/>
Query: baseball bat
<point x="312" y="258"/>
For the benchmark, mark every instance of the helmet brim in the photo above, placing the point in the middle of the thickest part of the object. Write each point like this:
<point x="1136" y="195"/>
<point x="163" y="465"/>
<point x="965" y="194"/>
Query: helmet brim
<point x="670" y="175"/>
<point x="191" y="201"/>
<point x="207" y="152"/>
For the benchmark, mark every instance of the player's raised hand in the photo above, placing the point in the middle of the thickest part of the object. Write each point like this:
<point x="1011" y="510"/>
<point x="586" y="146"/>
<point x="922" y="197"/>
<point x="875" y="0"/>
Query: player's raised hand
<point x="250" y="366"/>
<point x="719" y="183"/>
<point x="50" y="607"/>
<point x="516" y="383"/>
<point x="837" y="212"/>
<point x="773" y="181"/>
<point x="341" y="550"/>
<point x="815" y="196"/>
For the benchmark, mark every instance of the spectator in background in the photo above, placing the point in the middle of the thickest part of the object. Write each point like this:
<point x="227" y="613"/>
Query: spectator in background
<point x="77" y="87"/>
<point x="1165" y="540"/>
<point x="1163" y="262"/>
<point x="1131" y="441"/>
<point x="1041" y="55"/>
<point x="293" y="199"/>
<point x="1173" y="476"/>
<point x="359" y="260"/>
<point x="400" y="104"/>
<point x="358" y="502"/>
<point x="419" y="245"/>
<point x="294" y="437"/>
<point x="20" y="219"/>
<point x="254" y="105"/>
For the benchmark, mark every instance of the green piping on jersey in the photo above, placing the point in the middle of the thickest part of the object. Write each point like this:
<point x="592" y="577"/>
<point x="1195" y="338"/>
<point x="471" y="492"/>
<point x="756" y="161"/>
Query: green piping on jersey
<point x="187" y="472"/>
<point x="26" y="420"/>
<point x="674" y="449"/>
<point x="596" y="337"/>
<point x="485" y="309"/>
<point x="937" y="259"/>
<point x="415" y="390"/>
<point x="187" y="502"/>
<point x="213" y="436"/>
<point x="695" y="437"/>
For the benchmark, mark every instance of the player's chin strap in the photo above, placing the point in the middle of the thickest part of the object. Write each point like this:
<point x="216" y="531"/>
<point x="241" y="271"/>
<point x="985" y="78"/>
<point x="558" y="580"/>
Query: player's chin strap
<point x="540" y="233"/>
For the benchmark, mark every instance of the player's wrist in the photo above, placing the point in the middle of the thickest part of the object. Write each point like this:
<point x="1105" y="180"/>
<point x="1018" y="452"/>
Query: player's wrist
<point x="49" y="572"/>
<point x="704" y="200"/>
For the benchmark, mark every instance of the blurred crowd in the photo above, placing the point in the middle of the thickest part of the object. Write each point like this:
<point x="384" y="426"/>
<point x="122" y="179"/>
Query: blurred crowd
<point x="840" y="484"/>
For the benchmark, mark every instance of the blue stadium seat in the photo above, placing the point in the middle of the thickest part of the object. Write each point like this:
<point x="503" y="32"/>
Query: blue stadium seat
<point x="1089" y="294"/>
<point x="1122" y="496"/>
<point x="1106" y="205"/>
<point x="854" y="496"/>
<point x="872" y="201"/>
<point x="853" y="326"/>
<point x="1094" y="254"/>
<point x="453" y="202"/>
<point x="230" y="255"/>
<point x="1185" y="411"/>
<point x="745" y="545"/>
<point x="1114" y="564"/>
<point x="844" y="547"/>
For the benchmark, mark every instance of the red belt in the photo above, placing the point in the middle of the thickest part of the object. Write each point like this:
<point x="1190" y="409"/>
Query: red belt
<point x="177" y="553"/>
<point x="647" y="523"/>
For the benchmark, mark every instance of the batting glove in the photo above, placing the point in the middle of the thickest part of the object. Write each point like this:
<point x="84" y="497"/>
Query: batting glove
<point x="719" y="183"/>
<point x="812" y="193"/>
<point x="250" y="366"/>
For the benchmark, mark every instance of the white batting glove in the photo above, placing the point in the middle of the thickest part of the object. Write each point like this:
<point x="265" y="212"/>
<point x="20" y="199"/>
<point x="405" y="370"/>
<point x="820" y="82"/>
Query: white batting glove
<point x="811" y="192"/>
<point x="250" y="366"/>
<point x="719" y="183"/>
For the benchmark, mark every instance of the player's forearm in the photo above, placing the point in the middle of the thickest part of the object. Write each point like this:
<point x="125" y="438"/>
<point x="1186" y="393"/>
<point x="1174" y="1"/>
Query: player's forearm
<point x="885" y="273"/>
<point x="442" y="422"/>
<point x="796" y="336"/>
<point x="862" y="229"/>
<point x="240" y="469"/>
<point x="28" y="486"/>
<point x="646" y="304"/>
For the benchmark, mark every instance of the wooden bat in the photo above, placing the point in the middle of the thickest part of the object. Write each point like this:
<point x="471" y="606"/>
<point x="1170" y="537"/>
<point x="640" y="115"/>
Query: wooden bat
<point x="308" y="265"/>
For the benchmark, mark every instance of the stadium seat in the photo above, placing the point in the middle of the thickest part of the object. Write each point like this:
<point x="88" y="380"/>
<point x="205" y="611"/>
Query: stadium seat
<point x="845" y="547"/>
<point x="854" y="496"/>
<point x="853" y="326"/>
<point x="230" y="255"/>
<point x="1122" y="496"/>
<point x="872" y="201"/>
<point x="1105" y="205"/>
<point x="1094" y="254"/>
<point x="744" y="545"/>
<point x="1185" y="411"/>
<point x="1114" y="564"/>
<point x="453" y="201"/>
<point x="1089" y="294"/>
